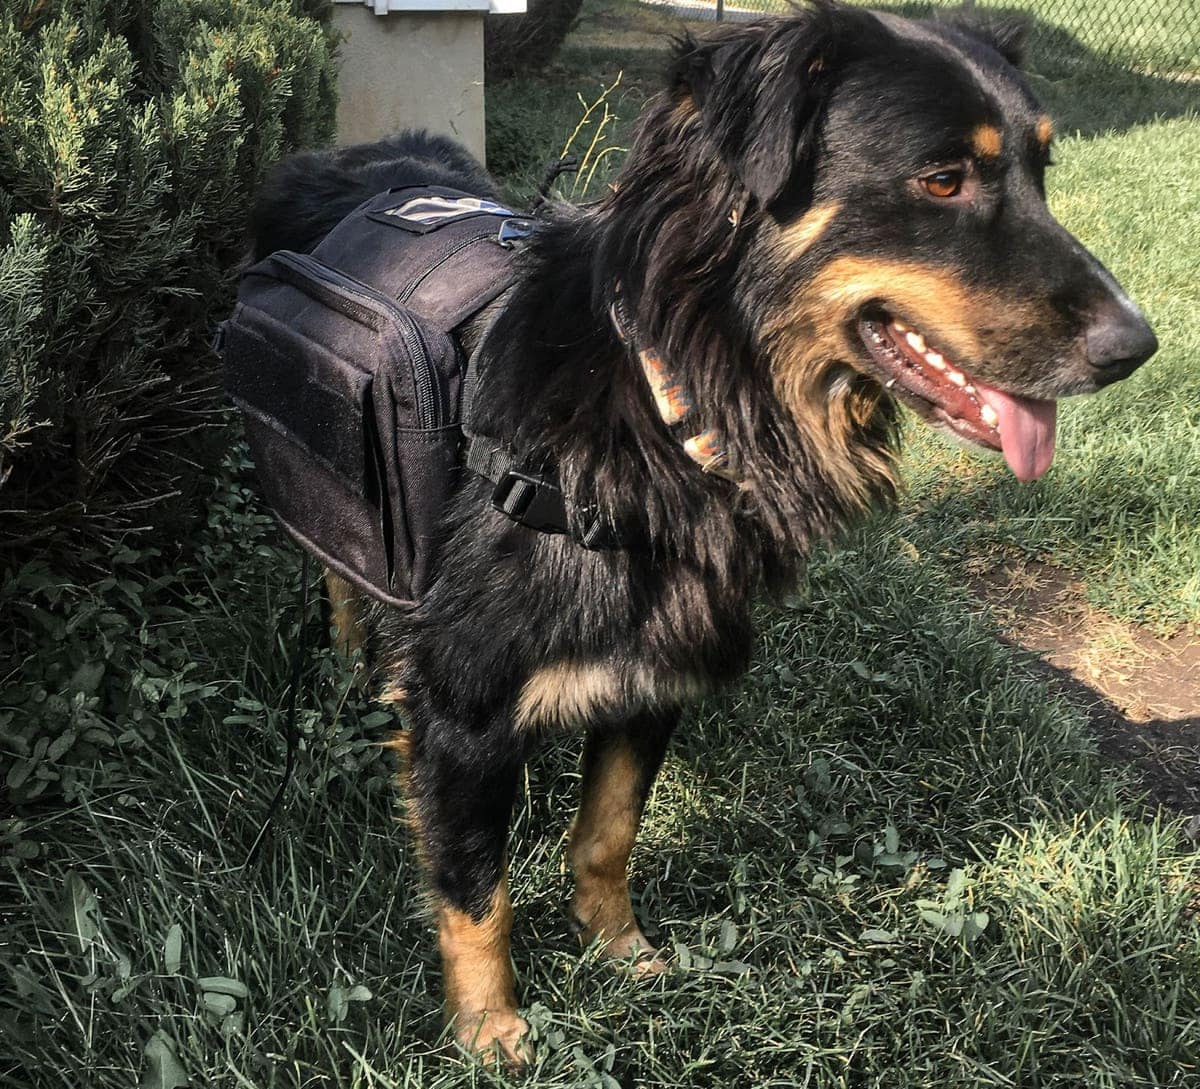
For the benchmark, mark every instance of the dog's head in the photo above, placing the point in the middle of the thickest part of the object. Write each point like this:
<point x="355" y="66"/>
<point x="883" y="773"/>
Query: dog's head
<point x="878" y="184"/>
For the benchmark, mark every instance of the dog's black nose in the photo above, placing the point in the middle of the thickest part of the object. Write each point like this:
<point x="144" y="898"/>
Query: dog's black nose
<point x="1119" y="340"/>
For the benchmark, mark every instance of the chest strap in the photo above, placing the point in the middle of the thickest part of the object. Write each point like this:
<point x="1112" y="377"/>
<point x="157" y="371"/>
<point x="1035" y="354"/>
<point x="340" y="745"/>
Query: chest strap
<point x="532" y="498"/>
<point x="529" y="497"/>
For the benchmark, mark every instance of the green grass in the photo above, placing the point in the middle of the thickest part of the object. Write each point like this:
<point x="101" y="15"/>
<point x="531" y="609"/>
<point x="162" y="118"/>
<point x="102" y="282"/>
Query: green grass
<point x="890" y="858"/>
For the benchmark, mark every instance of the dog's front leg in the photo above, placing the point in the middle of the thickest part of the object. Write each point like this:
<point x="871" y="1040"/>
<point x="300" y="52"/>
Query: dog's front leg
<point x="619" y="766"/>
<point x="461" y="785"/>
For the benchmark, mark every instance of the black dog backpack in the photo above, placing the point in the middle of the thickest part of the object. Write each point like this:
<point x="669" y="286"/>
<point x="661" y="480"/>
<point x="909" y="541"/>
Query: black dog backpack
<point x="344" y="364"/>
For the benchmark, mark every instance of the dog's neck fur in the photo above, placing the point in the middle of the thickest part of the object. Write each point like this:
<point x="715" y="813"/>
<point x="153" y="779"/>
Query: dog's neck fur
<point x="570" y="394"/>
<point x="559" y="386"/>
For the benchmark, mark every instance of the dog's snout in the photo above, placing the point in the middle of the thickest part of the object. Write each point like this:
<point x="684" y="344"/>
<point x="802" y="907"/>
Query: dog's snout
<point x="1118" y="340"/>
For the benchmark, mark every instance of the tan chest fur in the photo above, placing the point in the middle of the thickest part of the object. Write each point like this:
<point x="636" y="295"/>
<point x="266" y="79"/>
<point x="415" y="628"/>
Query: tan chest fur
<point x="570" y="693"/>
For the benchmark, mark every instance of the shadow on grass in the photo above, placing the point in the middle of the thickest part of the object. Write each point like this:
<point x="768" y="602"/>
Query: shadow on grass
<point x="886" y="852"/>
<point x="1162" y="754"/>
<point x="801" y="853"/>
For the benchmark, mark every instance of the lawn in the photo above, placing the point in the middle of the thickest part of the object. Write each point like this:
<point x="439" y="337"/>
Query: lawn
<point x="892" y="857"/>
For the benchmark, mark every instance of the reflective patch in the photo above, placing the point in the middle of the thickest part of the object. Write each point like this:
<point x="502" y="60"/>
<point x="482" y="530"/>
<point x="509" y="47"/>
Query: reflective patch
<point x="431" y="211"/>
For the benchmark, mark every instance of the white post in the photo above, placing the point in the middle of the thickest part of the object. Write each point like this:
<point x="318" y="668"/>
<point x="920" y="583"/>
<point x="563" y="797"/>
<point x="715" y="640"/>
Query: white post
<point x="413" y="64"/>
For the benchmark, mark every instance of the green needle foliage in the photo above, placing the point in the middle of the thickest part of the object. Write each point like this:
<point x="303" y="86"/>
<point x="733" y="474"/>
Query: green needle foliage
<point x="132" y="136"/>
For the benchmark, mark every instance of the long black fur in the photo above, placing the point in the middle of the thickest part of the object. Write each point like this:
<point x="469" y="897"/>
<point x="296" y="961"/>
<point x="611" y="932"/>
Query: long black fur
<point x="307" y="194"/>
<point x="759" y="124"/>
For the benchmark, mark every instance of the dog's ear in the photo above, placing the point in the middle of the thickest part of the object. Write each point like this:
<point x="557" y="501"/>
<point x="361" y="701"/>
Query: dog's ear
<point x="759" y="88"/>
<point x="1007" y="33"/>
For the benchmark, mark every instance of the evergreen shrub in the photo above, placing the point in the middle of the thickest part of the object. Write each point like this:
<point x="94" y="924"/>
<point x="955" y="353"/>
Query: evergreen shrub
<point x="132" y="136"/>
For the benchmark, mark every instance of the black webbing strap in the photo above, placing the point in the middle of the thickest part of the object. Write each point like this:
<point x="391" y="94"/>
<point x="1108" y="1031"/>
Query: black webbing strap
<point x="527" y="496"/>
<point x="289" y="716"/>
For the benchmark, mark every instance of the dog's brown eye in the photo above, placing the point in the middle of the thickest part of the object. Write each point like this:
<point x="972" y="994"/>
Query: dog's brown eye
<point x="943" y="183"/>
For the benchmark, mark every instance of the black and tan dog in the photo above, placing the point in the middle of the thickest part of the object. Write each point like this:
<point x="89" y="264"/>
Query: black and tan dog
<point x="823" y="215"/>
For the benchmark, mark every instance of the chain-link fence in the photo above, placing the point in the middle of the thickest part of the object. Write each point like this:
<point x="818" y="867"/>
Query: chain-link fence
<point x="1066" y="34"/>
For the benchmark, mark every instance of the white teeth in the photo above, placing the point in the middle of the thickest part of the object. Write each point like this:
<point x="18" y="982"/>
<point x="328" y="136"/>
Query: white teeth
<point x="989" y="416"/>
<point x="938" y="362"/>
<point x="890" y="383"/>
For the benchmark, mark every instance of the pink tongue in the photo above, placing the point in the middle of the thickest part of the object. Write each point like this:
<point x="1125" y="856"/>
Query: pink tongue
<point x="1026" y="431"/>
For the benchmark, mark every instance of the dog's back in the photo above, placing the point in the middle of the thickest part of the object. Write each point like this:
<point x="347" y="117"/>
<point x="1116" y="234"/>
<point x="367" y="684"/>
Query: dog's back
<point x="307" y="194"/>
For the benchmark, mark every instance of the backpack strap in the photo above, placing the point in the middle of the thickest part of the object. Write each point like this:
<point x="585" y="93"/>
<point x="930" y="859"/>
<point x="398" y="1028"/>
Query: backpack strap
<point x="458" y="260"/>
<point x="528" y="497"/>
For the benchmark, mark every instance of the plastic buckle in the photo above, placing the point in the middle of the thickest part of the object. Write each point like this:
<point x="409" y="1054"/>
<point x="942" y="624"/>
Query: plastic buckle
<point x="512" y="230"/>
<point x="531" y="501"/>
<point x="597" y="535"/>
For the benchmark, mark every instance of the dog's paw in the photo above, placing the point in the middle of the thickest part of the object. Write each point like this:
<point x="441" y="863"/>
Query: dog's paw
<point x="633" y="952"/>
<point x="630" y="950"/>
<point x="493" y="1035"/>
<point x="650" y="962"/>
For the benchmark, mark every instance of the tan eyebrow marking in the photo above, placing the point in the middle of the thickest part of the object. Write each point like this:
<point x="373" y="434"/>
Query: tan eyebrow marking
<point x="986" y="141"/>
<point x="798" y="237"/>
<point x="1044" y="130"/>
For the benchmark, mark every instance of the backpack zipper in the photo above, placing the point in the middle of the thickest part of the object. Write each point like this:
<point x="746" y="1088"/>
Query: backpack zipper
<point x="421" y="277"/>
<point x="374" y="304"/>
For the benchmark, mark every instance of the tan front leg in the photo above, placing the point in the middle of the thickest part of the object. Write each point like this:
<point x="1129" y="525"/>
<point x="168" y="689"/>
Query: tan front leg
<point x="616" y="779"/>
<point x="481" y="998"/>
<point x="459" y="804"/>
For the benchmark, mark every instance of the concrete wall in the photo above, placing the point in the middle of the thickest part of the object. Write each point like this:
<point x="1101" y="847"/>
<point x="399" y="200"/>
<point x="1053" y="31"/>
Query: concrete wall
<point x="410" y="69"/>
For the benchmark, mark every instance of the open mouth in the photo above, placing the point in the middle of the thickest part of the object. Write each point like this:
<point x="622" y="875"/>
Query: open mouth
<point x="946" y="394"/>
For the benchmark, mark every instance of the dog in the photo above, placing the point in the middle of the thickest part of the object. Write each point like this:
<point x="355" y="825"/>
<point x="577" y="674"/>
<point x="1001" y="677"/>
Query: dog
<point x="823" y="216"/>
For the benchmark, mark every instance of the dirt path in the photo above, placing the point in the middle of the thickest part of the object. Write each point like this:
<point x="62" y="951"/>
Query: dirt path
<point x="1142" y="693"/>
